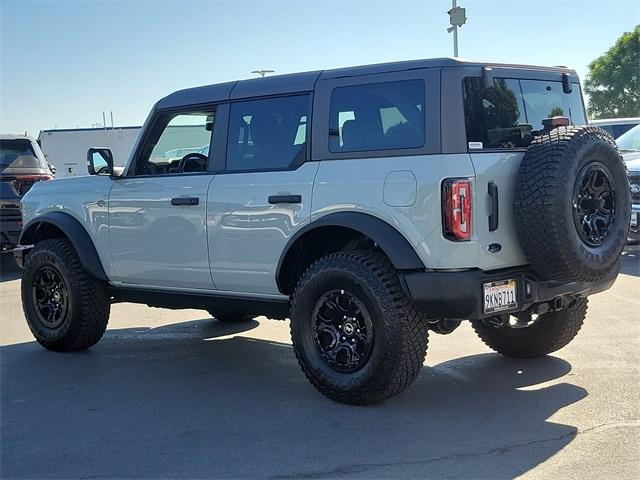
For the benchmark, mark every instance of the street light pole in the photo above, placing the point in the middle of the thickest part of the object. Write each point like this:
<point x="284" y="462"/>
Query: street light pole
<point x="457" y="18"/>
<point x="455" y="32"/>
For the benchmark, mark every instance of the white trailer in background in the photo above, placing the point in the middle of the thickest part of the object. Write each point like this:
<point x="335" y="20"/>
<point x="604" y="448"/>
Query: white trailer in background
<point x="66" y="149"/>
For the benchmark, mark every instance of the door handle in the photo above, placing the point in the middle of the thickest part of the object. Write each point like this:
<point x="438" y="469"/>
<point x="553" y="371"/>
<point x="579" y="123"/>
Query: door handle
<point x="492" y="189"/>
<point x="185" y="201"/>
<point x="273" y="199"/>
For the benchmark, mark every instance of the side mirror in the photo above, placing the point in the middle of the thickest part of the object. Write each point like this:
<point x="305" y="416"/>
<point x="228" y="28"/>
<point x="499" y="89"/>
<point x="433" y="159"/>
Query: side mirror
<point x="99" y="161"/>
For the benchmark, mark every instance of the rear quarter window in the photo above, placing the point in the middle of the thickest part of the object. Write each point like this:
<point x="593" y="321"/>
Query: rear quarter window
<point x="510" y="113"/>
<point x="377" y="116"/>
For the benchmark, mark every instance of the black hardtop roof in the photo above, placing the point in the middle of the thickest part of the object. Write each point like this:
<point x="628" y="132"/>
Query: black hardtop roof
<point x="305" y="82"/>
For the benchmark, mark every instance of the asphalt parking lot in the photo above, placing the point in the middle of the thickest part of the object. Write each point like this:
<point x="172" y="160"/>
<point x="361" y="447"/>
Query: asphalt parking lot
<point x="170" y="394"/>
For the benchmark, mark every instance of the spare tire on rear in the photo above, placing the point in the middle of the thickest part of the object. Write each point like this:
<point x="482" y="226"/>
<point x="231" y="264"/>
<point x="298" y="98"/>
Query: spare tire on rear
<point x="572" y="204"/>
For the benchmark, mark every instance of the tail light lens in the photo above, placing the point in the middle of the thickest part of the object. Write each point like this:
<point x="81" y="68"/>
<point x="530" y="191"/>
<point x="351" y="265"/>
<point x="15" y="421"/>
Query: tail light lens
<point x="456" y="202"/>
<point x="22" y="183"/>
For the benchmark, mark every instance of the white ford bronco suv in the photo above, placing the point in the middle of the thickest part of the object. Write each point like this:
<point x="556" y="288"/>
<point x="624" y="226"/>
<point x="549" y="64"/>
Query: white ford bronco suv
<point x="369" y="205"/>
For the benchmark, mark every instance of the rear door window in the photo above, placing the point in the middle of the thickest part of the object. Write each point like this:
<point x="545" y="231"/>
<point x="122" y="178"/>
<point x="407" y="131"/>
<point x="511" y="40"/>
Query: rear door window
<point x="510" y="113"/>
<point x="377" y="116"/>
<point x="267" y="134"/>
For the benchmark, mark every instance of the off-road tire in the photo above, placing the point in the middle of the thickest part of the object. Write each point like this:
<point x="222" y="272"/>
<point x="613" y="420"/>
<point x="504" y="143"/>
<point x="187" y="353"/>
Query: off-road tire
<point x="544" y="204"/>
<point x="231" y="317"/>
<point x="548" y="333"/>
<point x="89" y="299"/>
<point x="400" y="329"/>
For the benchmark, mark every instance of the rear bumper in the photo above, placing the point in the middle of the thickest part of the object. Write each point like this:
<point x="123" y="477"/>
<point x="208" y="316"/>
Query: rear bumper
<point x="459" y="295"/>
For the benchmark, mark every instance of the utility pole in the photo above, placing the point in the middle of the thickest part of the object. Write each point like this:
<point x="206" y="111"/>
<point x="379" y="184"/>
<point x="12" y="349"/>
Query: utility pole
<point x="457" y="18"/>
<point x="262" y="73"/>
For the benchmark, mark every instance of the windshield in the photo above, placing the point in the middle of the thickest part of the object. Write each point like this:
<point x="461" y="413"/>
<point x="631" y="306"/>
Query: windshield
<point x="629" y="141"/>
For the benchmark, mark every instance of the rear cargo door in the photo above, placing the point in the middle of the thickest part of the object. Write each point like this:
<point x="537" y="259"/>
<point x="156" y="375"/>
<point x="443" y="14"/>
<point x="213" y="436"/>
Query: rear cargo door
<point x="494" y="226"/>
<point x="500" y="123"/>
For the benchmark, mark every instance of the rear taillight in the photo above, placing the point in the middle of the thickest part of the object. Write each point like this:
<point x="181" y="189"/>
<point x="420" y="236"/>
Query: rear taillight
<point x="34" y="178"/>
<point x="22" y="183"/>
<point x="456" y="204"/>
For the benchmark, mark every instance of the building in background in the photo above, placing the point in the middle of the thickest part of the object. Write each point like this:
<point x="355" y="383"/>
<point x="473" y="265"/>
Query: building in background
<point x="66" y="149"/>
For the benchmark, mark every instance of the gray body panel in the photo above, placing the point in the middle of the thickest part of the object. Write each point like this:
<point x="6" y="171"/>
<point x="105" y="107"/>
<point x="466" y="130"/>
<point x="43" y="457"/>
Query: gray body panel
<point x="500" y="168"/>
<point x="419" y="221"/>
<point x="153" y="242"/>
<point x="247" y="234"/>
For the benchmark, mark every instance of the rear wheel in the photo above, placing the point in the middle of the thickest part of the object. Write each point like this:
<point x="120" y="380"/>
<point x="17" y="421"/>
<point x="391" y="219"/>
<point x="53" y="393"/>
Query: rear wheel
<point x="529" y="338"/>
<point x="357" y="337"/>
<point x="67" y="309"/>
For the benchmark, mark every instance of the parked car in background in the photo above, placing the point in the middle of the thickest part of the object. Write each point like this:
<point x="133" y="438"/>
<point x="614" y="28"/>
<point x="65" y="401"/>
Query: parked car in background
<point x="22" y="163"/>
<point x="616" y="126"/>
<point x="629" y="144"/>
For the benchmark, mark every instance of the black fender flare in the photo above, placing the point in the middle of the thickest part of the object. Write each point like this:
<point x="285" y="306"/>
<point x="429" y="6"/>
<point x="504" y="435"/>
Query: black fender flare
<point x="75" y="232"/>
<point x="400" y="252"/>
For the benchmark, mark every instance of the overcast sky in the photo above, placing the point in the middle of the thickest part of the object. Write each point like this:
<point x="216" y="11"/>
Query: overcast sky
<point x="64" y="62"/>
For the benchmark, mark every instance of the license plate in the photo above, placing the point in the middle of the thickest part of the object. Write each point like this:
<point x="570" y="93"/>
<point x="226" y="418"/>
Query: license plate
<point x="500" y="296"/>
<point x="634" y="219"/>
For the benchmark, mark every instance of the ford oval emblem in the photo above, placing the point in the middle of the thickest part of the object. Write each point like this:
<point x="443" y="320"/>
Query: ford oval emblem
<point x="494" y="248"/>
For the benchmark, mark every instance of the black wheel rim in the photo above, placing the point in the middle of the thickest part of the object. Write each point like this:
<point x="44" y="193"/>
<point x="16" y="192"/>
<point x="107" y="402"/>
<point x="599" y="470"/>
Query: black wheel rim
<point x="50" y="296"/>
<point x="342" y="331"/>
<point x="594" y="204"/>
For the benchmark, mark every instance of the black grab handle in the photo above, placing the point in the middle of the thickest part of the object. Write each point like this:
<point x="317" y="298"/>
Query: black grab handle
<point x="285" y="199"/>
<point x="493" y="216"/>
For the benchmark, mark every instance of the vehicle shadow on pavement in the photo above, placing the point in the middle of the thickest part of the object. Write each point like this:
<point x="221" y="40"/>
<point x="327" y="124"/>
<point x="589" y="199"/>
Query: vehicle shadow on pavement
<point x="192" y="400"/>
<point x="9" y="269"/>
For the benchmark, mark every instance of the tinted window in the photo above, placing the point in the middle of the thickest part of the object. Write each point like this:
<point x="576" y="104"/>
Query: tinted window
<point x="621" y="128"/>
<point x="267" y="134"/>
<point x="178" y="143"/>
<point x="507" y="115"/>
<point x="630" y="140"/>
<point x="18" y="153"/>
<point x="377" y="116"/>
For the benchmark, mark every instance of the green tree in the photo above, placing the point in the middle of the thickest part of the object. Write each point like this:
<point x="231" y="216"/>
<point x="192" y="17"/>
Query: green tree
<point x="613" y="83"/>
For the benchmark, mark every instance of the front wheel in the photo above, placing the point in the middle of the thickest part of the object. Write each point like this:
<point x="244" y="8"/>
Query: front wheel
<point x="67" y="309"/>
<point x="540" y="336"/>
<point x="357" y="337"/>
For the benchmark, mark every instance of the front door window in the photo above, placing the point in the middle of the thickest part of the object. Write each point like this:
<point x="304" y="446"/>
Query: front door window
<point x="178" y="143"/>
